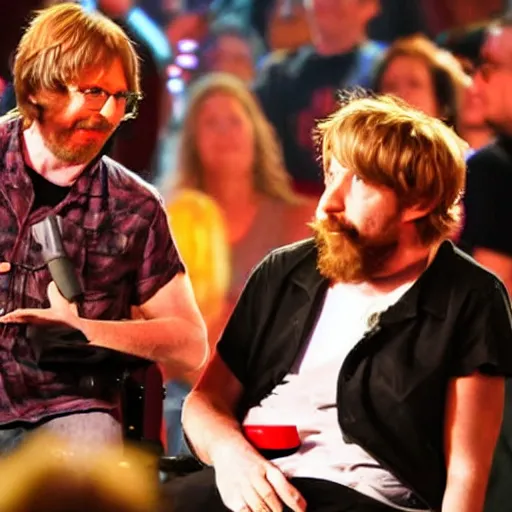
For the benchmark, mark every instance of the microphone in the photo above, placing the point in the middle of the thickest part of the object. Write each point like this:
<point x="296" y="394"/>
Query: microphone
<point x="48" y="234"/>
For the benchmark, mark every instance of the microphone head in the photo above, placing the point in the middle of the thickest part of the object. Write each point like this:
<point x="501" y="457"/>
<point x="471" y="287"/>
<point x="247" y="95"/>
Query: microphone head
<point x="48" y="234"/>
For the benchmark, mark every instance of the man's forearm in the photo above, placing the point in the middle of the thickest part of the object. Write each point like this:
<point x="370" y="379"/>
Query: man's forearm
<point x="464" y="494"/>
<point x="173" y="342"/>
<point x="223" y="432"/>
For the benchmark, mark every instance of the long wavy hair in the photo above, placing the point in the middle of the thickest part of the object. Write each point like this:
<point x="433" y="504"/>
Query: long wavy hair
<point x="270" y="176"/>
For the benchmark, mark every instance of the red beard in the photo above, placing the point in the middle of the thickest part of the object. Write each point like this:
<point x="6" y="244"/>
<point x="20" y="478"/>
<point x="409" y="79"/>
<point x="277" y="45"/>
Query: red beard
<point x="345" y="256"/>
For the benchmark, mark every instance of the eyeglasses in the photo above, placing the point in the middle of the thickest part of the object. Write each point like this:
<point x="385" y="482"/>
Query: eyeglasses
<point x="96" y="97"/>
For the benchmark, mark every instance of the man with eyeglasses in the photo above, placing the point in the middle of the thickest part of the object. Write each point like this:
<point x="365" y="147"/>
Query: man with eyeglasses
<point x="487" y="234"/>
<point x="76" y="77"/>
<point x="487" y="198"/>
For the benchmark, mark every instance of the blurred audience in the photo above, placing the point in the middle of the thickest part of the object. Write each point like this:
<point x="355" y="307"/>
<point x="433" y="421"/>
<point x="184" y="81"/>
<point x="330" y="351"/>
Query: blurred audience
<point x="428" y="78"/>
<point x="13" y="21"/>
<point x="229" y="50"/>
<point x="14" y="17"/>
<point x="283" y="24"/>
<point x="3" y="86"/>
<point x="441" y="15"/>
<point x="137" y="142"/>
<point x="301" y="87"/>
<point x="465" y="41"/>
<point x="488" y="210"/>
<point x="7" y="98"/>
<point x="487" y="202"/>
<point x="286" y="26"/>
<point x="200" y="232"/>
<point x="44" y="475"/>
<point x="396" y="19"/>
<point x="434" y="81"/>
<point x="229" y="151"/>
<point x="471" y="124"/>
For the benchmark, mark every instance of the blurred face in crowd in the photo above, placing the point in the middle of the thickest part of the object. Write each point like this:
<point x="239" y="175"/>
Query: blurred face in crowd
<point x="76" y="125"/>
<point x="357" y="226"/>
<point x="115" y="8"/>
<point x="225" y="136"/>
<point x="339" y="20"/>
<point x="493" y="80"/>
<point x="232" y="54"/>
<point x="410" y="79"/>
<point x="471" y="113"/>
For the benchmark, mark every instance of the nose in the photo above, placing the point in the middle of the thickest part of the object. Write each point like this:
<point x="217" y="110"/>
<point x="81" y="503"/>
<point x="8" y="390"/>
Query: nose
<point x="110" y="108"/>
<point x="224" y="126"/>
<point x="332" y="201"/>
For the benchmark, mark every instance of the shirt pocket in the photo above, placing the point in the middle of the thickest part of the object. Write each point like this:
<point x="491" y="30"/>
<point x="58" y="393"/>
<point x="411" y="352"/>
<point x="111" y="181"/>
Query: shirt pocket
<point x="108" y="274"/>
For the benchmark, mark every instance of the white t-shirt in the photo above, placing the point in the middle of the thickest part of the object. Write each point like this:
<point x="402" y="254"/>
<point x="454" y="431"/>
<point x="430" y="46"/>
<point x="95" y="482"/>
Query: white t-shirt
<point x="307" y="398"/>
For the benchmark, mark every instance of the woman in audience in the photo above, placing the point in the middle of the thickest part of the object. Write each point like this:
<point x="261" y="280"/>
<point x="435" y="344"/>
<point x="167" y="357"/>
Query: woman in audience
<point x="230" y="152"/>
<point x="433" y="80"/>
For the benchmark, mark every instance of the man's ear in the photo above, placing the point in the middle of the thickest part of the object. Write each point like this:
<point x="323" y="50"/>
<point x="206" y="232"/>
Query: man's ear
<point x="415" y="212"/>
<point x="35" y="106"/>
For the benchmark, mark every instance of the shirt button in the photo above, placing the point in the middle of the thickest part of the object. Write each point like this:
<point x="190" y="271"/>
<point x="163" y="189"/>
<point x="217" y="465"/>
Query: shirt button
<point x="373" y="320"/>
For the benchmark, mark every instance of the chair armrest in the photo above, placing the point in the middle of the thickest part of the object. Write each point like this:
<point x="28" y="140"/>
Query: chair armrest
<point x="179" y="466"/>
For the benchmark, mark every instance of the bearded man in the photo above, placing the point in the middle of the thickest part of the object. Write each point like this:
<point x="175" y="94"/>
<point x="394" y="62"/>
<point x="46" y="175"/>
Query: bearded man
<point x="76" y="78"/>
<point x="378" y="339"/>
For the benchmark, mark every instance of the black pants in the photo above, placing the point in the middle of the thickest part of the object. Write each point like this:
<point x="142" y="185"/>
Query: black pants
<point x="197" y="493"/>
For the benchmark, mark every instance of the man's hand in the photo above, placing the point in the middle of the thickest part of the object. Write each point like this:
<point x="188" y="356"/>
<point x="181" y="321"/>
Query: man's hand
<point x="247" y="482"/>
<point x="60" y="312"/>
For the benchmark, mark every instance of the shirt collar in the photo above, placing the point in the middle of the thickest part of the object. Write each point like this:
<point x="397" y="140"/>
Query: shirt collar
<point x="427" y="294"/>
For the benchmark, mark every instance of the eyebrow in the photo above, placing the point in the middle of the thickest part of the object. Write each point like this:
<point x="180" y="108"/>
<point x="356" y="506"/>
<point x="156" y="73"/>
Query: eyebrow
<point x="91" y="86"/>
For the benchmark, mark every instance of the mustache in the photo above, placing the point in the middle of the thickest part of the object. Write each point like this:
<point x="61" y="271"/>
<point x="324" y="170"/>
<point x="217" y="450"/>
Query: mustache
<point x="100" y="125"/>
<point x="335" y="226"/>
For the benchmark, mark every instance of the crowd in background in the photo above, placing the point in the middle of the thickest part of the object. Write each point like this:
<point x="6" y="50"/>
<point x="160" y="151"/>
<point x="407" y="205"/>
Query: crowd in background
<point x="232" y="92"/>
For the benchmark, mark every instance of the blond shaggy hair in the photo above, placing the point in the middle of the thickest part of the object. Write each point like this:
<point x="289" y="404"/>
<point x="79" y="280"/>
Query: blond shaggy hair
<point x="386" y="142"/>
<point x="62" y="41"/>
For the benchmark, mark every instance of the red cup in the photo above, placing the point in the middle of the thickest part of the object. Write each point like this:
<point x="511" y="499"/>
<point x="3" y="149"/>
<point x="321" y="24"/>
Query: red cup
<point x="273" y="441"/>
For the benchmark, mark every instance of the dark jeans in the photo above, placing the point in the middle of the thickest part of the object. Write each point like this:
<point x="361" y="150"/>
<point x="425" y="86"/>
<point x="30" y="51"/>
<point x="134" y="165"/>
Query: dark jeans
<point x="90" y="429"/>
<point x="197" y="493"/>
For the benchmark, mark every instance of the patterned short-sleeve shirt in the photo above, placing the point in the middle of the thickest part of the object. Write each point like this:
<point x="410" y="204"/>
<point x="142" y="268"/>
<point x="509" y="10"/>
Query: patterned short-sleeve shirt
<point x="116" y="234"/>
